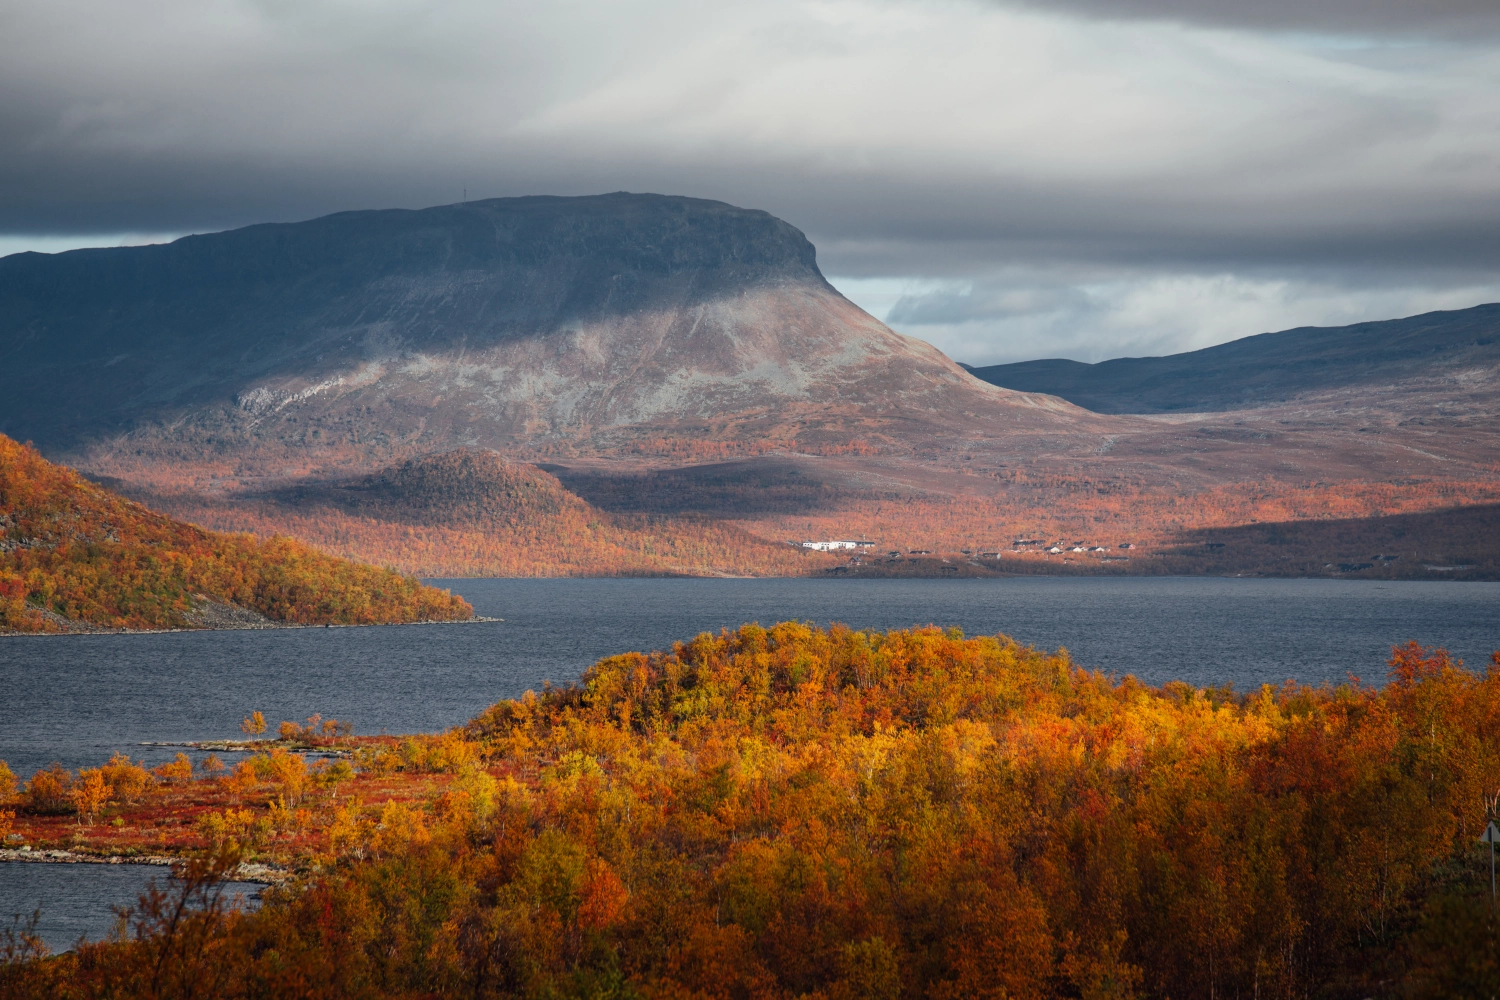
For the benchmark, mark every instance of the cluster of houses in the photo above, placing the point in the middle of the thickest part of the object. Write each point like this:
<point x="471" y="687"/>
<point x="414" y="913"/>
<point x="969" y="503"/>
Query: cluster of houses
<point x="841" y="543"/>
<point x="1057" y="548"/>
<point x="1019" y="545"/>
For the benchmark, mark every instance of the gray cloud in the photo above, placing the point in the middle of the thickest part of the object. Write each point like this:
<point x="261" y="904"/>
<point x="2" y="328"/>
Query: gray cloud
<point x="1099" y="312"/>
<point x="1356" y="18"/>
<point x="985" y="302"/>
<point x="950" y="141"/>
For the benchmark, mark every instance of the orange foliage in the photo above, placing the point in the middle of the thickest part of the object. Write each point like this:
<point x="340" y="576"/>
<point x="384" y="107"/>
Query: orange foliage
<point x="179" y="768"/>
<point x="790" y="812"/>
<point x="88" y="555"/>
<point x="88" y="794"/>
<point x="572" y="538"/>
<point x="1106" y="512"/>
<point x="573" y="542"/>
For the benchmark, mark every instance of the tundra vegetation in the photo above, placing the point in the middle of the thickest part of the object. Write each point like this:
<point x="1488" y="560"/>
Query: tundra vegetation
<point x="473" y="513"/>
<point x="793" y="812"/>
<point x="75" y="550"/>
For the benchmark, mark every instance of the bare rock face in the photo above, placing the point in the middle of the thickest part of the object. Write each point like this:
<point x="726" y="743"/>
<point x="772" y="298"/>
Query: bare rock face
<point x="742" y="353"/>
<point x="546" y="325"/>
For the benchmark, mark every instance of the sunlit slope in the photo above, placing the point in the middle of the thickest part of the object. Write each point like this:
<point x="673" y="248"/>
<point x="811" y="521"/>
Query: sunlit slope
<point x="471" y="512"/>
<point x="74" y="550"/>
<point x="788" y="813"/>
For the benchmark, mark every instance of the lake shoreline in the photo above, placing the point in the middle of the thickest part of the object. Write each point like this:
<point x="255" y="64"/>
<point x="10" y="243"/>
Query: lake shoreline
<point x="248" y="871"/>
<point x="84" y="629"/>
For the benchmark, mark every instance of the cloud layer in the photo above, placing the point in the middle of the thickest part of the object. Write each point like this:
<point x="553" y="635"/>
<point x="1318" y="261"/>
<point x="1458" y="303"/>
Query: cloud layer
<point x="1397" y="18"/>
<point x="1019" y="314"/>
<point x="1028" y="161"/>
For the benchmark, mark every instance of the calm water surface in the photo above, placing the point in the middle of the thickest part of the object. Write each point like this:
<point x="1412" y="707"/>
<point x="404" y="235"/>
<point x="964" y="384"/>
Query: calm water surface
<point x="77" y="699"/>
<point x="77" y="901"/>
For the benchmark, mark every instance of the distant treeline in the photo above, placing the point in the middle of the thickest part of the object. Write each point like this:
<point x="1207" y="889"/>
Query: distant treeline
<point x="1459" y="543"/>
<point x="1106" y="511"/>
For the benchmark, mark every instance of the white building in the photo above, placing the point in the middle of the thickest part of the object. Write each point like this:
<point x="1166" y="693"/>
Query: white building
<point x="841" y="543"/>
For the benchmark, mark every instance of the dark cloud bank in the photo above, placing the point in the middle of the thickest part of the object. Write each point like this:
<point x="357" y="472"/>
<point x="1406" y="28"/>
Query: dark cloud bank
<point x="1047" y="170"/>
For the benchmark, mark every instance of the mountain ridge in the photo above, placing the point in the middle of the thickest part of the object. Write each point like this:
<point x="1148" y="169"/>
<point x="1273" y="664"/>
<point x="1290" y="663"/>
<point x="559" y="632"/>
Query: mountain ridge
<point x="673" y="359"/>
<point x="471" y="512"/>
<point x="493" y="324"/>
<point x="1267" y="368"/>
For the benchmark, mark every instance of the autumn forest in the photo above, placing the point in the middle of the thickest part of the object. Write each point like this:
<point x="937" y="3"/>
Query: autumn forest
<point x="794" y="812"/>
<point x="74" y="556"/>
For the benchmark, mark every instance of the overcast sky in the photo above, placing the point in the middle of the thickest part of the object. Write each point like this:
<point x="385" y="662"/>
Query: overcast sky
<point x="1075" y="178"/>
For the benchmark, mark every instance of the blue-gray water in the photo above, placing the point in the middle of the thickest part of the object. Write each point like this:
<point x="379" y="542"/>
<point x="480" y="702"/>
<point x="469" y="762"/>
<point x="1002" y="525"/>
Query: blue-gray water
<point x="77" y="901"/>
<point x="77" y="699"/>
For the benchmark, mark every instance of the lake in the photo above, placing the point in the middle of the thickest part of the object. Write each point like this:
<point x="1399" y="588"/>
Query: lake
<point x="77" y="699"/>
<point x="77" y="901"/>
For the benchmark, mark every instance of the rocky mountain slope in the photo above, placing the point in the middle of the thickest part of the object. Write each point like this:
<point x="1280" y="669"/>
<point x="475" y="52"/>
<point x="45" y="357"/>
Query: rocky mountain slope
<point x="539" y="323"/>
<point x="1274" y="368"/>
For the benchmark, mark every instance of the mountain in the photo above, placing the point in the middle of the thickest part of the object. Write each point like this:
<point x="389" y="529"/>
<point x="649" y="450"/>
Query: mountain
<point x="73" y="555"/>
<point x="644" y="363"/>
<point x="1271" y="368"/>
<point x="539" y="322"/>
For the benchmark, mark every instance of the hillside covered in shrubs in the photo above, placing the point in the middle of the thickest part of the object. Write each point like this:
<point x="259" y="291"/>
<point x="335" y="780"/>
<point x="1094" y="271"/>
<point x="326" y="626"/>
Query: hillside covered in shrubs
<point x="471" y="512"/>
<point x="789" y="812"/>
<point x="74" y="554"/>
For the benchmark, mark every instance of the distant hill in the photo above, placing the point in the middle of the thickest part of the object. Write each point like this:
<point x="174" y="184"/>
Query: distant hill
<point x="74" y="555"/>
<point x="369" y="336"/>
<point x="471" y="512"/>
<point x="1270" y="368"/>
<point x="744" y="488"/>
<point x="461" y="487"/>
